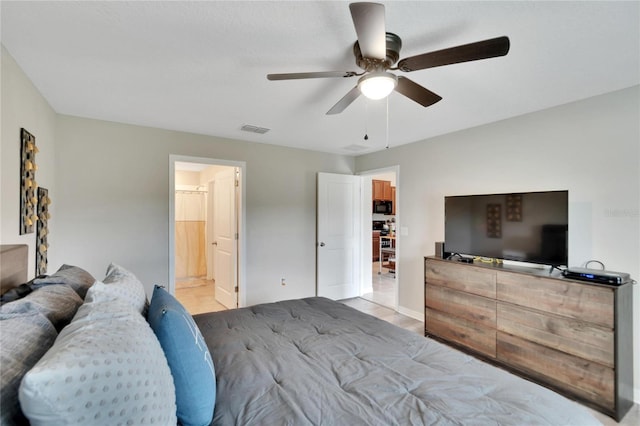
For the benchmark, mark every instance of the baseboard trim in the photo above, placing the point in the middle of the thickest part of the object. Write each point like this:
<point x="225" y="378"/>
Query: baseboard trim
<point x="417" y="315"/>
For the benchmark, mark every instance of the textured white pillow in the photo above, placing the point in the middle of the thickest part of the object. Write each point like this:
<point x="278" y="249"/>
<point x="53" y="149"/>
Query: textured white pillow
<point x="106" y="368"/>
<point x="119" y="284"/>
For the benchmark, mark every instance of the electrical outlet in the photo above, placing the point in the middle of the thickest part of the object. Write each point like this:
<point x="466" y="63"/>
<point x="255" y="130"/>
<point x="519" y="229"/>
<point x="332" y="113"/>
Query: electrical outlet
<point x="283" y="282"/>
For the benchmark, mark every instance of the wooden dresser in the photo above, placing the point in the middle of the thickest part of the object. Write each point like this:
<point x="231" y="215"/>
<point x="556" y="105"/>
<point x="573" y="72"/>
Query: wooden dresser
<point x="571" y="336"/>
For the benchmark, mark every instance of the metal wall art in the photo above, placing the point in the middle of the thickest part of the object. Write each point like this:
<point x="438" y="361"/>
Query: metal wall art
<point x="494" y="220"/>
<point x="42" y="231"/>
<point x="514" y="208"/>
<point x="28" y="185"/>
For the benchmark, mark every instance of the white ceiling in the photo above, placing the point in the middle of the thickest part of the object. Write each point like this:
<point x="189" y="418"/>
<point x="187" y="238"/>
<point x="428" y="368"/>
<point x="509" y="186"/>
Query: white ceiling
<point x="201" y="66"/>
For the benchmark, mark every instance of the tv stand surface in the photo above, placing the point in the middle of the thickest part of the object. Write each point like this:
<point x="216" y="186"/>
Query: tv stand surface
<point x="572" y="336"/>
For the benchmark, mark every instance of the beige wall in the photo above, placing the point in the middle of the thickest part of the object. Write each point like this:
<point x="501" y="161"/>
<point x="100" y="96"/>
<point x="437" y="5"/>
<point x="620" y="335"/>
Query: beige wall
<point x="187" y="178"/>
<point x="24" y="107"/>
<point x="114" y="202"/>
<point x="109" y="184"/>
<point x="208" y="174"/>
<point x="591" y="148"/>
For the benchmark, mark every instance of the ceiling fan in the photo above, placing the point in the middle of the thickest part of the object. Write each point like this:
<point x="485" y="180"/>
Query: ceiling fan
<point x="377" y="50"/>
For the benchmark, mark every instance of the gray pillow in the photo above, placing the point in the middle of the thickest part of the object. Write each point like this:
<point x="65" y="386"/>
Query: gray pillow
<point x="76" y="278"/>
<point x="24" y="338"/>
<point x="58" y="303"/>
<point x="15" y="293"/>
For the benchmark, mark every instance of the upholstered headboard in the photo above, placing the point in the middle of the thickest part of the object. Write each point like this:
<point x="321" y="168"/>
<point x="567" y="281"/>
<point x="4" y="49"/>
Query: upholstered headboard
<point x="13" y="266"/>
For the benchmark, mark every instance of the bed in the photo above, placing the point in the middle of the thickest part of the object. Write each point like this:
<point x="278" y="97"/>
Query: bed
<point x="316" y="361"/>
<point x="309" y="361"/>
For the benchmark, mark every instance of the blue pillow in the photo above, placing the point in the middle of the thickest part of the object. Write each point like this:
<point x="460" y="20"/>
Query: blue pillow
<point x="188" y="357"/>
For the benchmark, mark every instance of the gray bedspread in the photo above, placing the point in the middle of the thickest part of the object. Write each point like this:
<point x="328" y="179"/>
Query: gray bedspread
<point x="318" y="362"/>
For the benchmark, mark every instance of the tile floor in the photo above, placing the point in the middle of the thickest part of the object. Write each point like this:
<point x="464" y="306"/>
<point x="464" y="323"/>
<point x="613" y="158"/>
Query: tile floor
<point x="198" y="295"/>
<point x="384" y="313"/>
<point x="384" y="287"/>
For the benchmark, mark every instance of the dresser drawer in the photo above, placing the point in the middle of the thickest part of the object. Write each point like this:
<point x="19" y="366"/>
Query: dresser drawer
<point x="588" y="341"/>
<point x="588" y="303"/>
<point x="589" y="380"/>
<point x="465" y="278"/>
<point x="464" y="332"/>
<point x="467" y="306"/>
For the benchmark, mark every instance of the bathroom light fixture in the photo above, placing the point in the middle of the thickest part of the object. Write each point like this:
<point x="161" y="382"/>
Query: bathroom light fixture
<point x="377" y="85"/>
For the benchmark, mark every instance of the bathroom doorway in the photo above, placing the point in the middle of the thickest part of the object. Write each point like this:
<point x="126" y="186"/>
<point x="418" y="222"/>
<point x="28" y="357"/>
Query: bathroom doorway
<point x="206" y="242"/>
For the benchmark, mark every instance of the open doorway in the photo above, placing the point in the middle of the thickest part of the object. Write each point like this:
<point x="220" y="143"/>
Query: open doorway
<point x="380" y="237"/>
<point x="205" y="246"/>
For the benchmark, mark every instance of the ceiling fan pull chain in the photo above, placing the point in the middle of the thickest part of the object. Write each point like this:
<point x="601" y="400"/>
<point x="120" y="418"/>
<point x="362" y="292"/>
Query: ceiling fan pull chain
<point x="387" y="100"/>
<point x="366" y="120"/>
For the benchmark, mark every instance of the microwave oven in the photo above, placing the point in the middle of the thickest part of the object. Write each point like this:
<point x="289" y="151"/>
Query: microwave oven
<point x="383" y="207"/>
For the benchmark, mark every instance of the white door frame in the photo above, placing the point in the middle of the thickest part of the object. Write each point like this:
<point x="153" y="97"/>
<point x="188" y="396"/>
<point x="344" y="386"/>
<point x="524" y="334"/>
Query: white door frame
<point x="242" y="216"/>
<point x="366" y="219"/>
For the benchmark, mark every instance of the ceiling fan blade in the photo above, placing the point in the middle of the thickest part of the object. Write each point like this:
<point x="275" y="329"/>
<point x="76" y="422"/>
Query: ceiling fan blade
<point x="345" y="101"/>
<point x="301" y="75"/>
<point x="415" y="92"/>
<point x="468" y="52"/>
<point x="369" y="21"/>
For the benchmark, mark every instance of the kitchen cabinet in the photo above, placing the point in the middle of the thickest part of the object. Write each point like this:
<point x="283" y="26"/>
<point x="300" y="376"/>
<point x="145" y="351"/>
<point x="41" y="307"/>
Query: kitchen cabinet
<point x="376" y="246"/>
<point x="393" y="200"/>
<point x="381" y="190"/>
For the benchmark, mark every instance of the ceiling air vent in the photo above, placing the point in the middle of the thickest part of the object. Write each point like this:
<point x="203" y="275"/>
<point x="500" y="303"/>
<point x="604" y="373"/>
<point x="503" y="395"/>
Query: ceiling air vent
<point x="355" y="148"/>
<point x="254" y="129"/>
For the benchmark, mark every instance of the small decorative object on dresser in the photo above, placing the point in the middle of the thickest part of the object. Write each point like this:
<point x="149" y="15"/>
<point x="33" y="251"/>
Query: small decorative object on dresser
<point x="572" y="336"/>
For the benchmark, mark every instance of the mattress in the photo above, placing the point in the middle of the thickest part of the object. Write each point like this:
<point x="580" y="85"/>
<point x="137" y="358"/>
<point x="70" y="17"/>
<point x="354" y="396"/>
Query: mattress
<point x="315" y="361"/>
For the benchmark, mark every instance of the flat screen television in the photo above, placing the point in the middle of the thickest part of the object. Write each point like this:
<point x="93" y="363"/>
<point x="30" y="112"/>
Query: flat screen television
<point x="527" y="226"/>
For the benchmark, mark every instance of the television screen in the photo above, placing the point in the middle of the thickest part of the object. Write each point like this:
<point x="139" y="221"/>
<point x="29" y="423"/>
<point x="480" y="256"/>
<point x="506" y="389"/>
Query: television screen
<point x="528" y="226"/>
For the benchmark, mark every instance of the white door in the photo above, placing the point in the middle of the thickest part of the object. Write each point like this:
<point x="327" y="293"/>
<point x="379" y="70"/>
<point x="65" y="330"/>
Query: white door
<point x="338" y="236"/>
<point x="225" y="242"/>
<point x="210" y="237"/>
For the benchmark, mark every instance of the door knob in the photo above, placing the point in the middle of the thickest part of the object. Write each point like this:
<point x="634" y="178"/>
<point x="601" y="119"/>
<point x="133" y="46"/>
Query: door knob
<point x="215" y="243"/>
<point x="321" y="244"/>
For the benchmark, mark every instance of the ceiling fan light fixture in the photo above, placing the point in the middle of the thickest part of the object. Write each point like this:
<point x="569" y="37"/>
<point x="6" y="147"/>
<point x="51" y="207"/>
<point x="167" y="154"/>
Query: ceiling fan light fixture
<point x="377" y="85"/>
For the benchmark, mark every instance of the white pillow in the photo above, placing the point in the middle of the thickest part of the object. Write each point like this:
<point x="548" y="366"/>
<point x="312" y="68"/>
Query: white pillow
<point x="119" y="284"/>
<point x="106" y="368"/>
